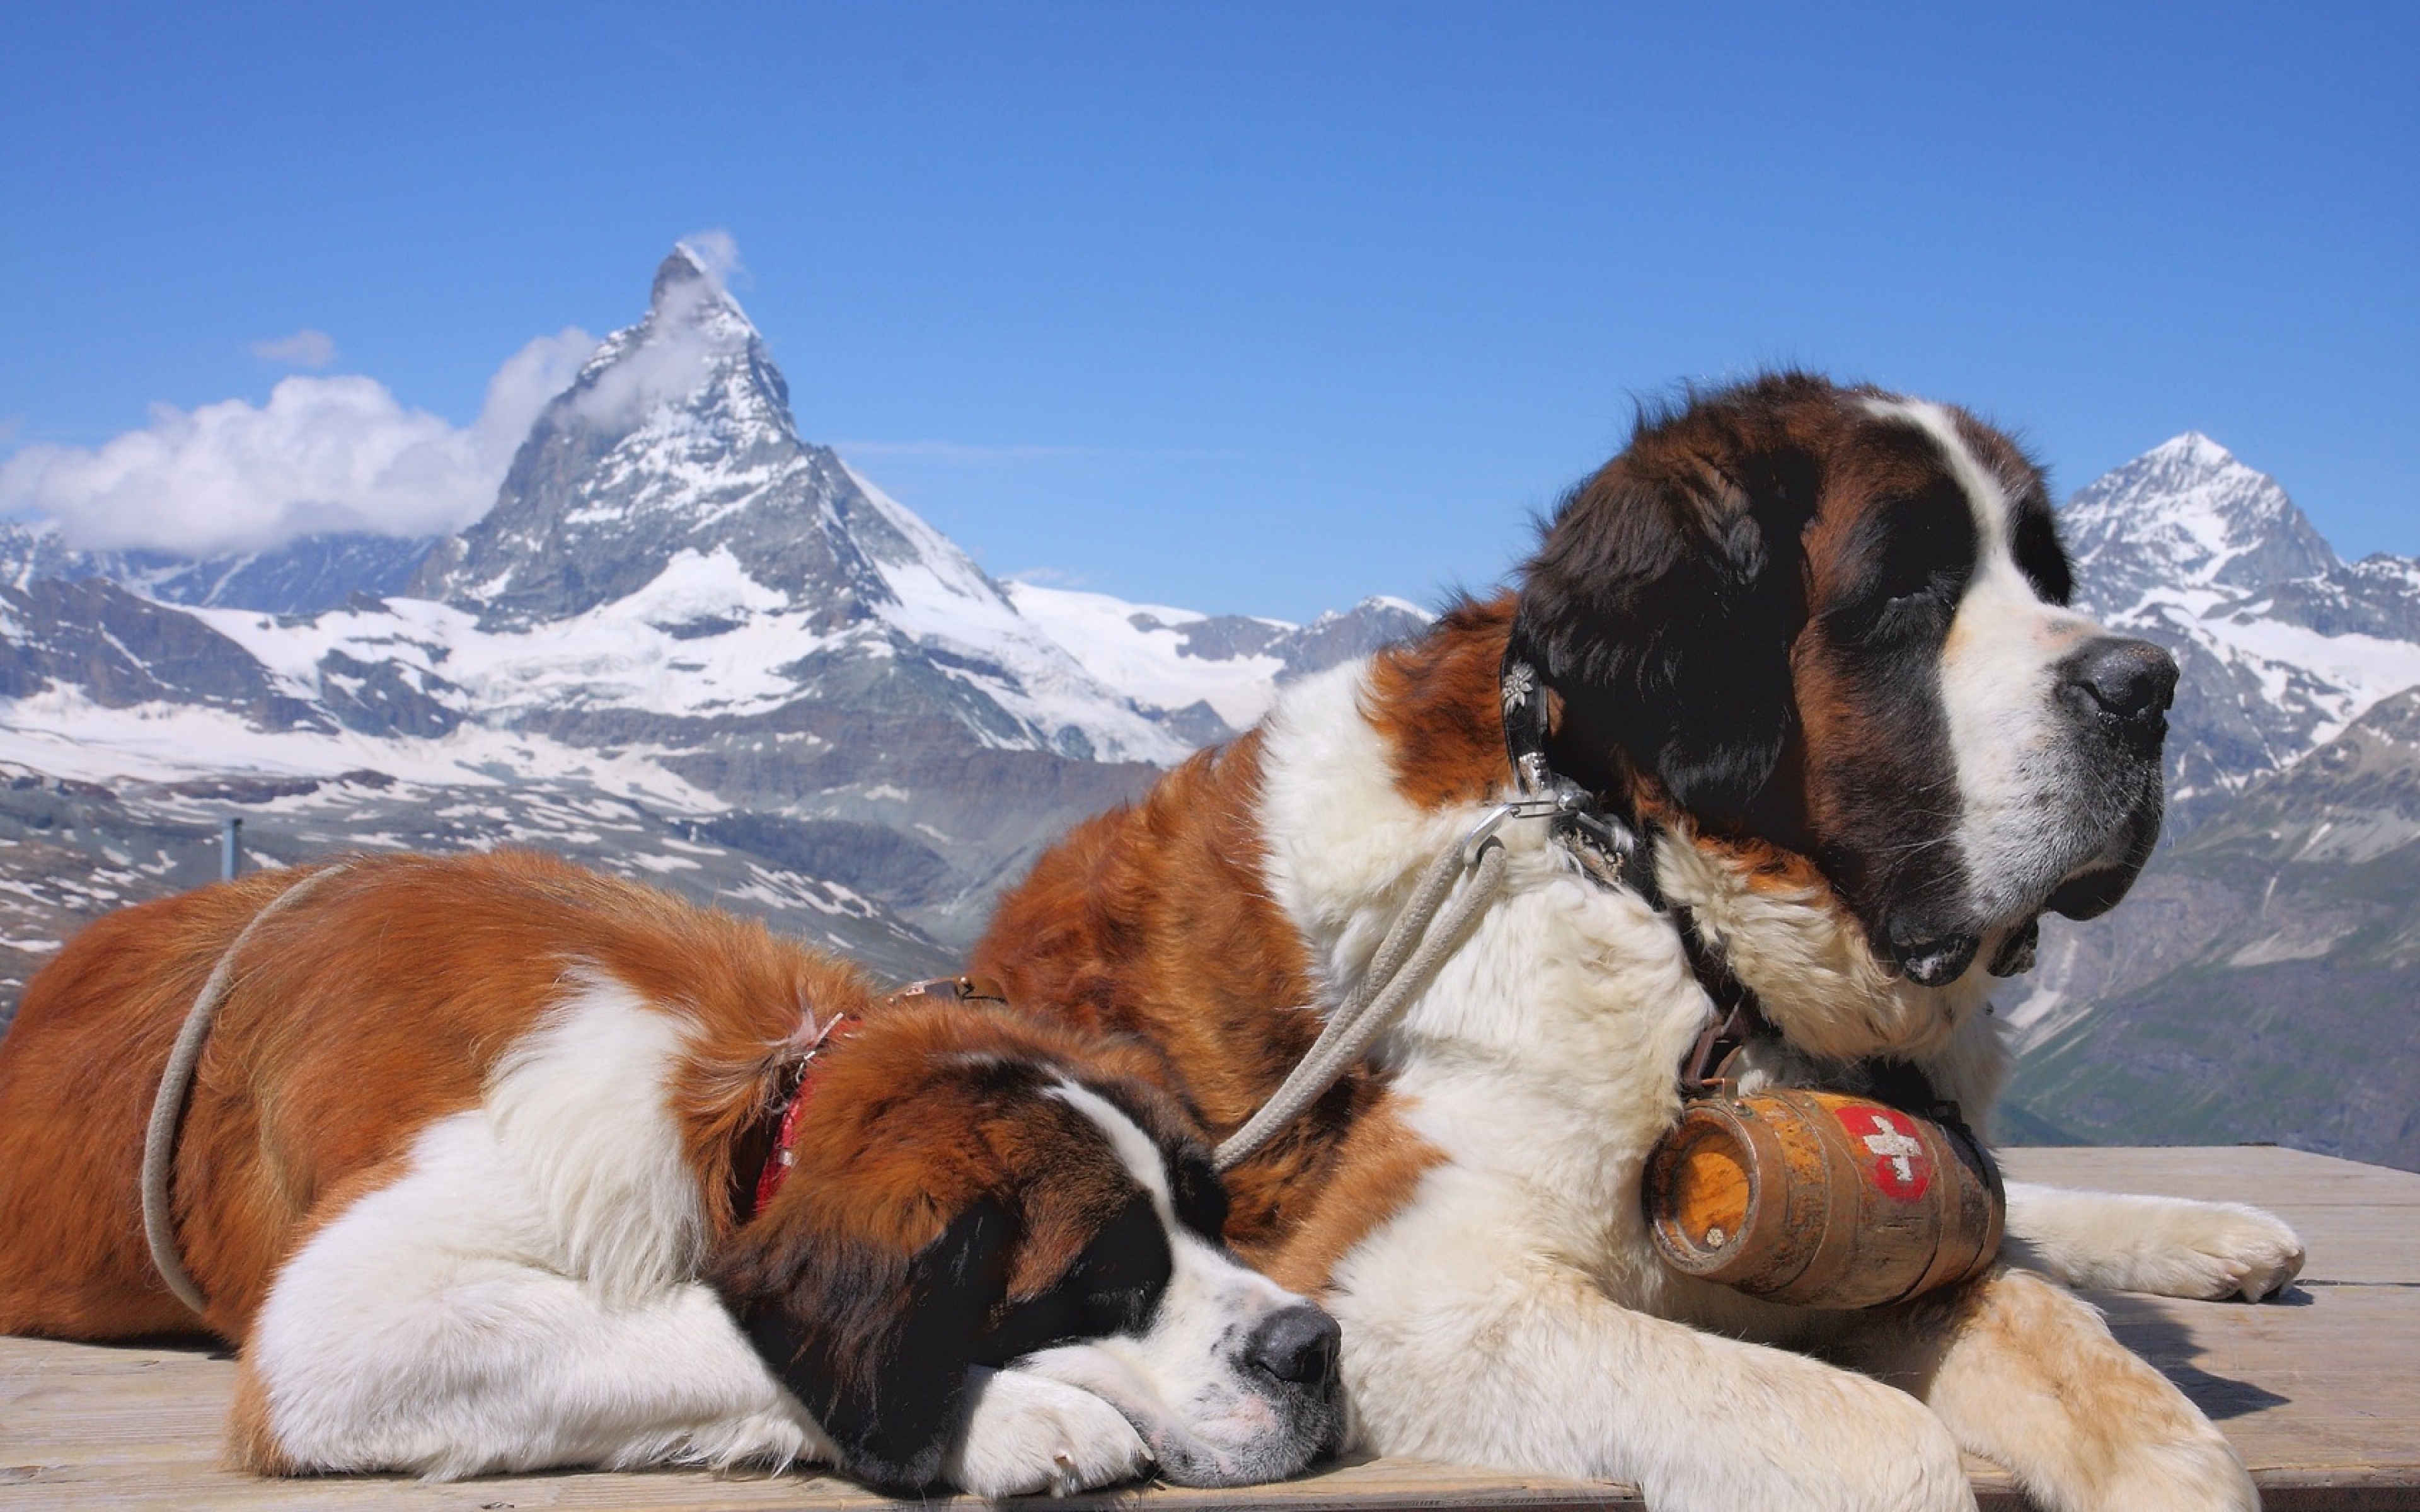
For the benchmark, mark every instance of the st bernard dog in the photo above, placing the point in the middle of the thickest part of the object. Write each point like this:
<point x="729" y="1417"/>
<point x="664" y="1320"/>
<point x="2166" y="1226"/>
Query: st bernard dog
<point x="468" y="1170"/>
<point x="1804" y="653"/>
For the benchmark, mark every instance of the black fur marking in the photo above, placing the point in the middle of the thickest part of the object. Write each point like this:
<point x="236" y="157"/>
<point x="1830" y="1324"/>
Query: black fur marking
<point x="895" y="1413"/>
<point x="1664" y="577"/>
<point x="1910" y="560"/>
<point x="1200" y="1198"/>
<point x="1114" y="1287"/>
<point x="2039" y="555"/>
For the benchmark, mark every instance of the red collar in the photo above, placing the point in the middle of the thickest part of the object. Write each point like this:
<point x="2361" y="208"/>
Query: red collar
<point x="779" y="1159"/>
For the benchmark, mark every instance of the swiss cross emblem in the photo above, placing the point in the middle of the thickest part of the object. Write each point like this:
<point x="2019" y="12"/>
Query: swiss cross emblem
<point x="1901" y="1169"/>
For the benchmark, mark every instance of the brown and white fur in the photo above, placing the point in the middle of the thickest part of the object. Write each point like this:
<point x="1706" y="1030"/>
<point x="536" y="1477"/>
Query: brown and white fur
<point x="466" y="1171"/>
<point x="1815" y="639"/>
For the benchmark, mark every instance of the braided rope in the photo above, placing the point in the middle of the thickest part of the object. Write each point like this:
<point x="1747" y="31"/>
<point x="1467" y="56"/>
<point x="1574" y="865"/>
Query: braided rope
<point x="1389" y="986"/>
<point x="168" y="1104"/>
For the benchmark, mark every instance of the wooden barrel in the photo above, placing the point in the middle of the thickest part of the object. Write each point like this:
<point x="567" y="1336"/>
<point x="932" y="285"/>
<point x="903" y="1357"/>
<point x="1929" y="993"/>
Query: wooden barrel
<point x="1822" y="1199"/>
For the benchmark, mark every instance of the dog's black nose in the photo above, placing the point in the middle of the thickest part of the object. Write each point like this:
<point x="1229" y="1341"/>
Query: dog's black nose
<point x="1297" y="1345"/>
<point x="2128" y="679"/>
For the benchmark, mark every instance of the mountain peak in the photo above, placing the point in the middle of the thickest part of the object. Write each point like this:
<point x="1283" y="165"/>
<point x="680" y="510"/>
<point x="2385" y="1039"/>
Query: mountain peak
<point x="682" y="265"/>
<point x="2192" y="449"/>
<point x="2187" y="512"/>
<point x="690" y="291"/>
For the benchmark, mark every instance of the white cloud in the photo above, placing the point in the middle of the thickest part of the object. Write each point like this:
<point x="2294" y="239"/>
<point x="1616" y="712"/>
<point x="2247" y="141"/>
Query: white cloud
<point x="1049" y="577"/>
<point x="717" y="254"/>
<point x="324" y="454"/>
<point x="306" y="348"/>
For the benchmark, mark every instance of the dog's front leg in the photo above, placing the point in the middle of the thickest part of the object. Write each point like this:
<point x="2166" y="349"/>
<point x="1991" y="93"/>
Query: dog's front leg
<point x="2169" y="1246"/>
<point x="506" y="1368"/>
<point x="2028" y="1376"/>
<point x="1524" y="1362"/>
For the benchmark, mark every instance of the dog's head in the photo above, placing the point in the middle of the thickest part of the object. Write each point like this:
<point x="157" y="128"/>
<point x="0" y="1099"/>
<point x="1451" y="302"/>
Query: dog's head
<point x="975" y="1189"/>
<point x="1835" y="621"/>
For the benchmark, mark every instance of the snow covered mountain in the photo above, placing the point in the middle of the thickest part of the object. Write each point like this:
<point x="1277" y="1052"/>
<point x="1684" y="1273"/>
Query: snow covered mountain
<point x="668" y="491"/>
<point x="1207" y="676"/>
<point x="2281" y="646"/>
<point x="759" y="676"/>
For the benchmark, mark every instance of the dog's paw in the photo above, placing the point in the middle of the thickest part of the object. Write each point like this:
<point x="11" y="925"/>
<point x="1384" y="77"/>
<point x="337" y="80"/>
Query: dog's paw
<point x="2200" y="1475"/>
<point x="1903" y="1456"/>
<point x="1817" y="1439"/>
<point x="2167" y="1246"/>
<point x="2224" y="1249"/>
<point x="1026" y="1435"/>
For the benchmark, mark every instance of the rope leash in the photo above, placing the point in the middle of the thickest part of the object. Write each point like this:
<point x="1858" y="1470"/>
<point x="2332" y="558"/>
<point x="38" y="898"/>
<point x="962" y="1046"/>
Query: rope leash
<point x="176" y="1080"/>
<point x="1392" y="981"/>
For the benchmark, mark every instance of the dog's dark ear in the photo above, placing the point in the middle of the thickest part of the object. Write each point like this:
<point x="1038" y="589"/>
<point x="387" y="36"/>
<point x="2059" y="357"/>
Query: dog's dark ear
<point x="873" y="1341"/>
<point x="1662" y="604"/>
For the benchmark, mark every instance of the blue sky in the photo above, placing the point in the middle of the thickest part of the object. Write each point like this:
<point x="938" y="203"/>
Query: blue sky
<point x="1248" y="308"/>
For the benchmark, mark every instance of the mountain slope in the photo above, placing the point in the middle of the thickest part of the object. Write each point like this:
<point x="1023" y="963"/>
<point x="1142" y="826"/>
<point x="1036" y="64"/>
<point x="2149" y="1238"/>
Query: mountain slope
<point x="303" y="577"/>
<point x="2260" y="984"/>
<point x="1209" y="675"/>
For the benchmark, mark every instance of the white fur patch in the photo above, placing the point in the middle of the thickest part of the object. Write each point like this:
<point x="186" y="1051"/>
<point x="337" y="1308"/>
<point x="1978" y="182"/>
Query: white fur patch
<point x="2008" y="736"/>
<point x="523" y="1294"/>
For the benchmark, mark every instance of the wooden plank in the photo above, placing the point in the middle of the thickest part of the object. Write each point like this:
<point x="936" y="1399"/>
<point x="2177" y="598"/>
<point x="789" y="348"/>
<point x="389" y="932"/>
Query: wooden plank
<point x="2263" y="1175"/>
<point x="2320" y="1394"/>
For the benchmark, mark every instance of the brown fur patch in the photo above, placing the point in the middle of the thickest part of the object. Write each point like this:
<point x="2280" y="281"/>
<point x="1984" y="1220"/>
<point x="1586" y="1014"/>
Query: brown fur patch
<point x="1152" y="920"/>
<point x="1435" y="701"/>
<point x="1379" y="1163"/>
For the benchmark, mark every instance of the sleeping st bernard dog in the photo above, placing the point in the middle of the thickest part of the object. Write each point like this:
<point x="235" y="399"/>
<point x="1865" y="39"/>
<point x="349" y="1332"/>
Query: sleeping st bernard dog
<point x="1810" y="646"/>
<point x="468" y="1168"/>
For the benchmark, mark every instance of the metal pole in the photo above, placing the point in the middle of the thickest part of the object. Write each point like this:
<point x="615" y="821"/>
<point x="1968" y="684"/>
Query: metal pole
<point x="230" y="850"/>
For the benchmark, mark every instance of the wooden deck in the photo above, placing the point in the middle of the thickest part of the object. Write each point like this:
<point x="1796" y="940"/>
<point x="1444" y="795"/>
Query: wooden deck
<point x="2320" y="1391"/>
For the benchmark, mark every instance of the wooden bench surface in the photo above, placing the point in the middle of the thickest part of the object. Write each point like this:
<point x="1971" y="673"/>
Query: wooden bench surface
<point x="2320" y="1392"/>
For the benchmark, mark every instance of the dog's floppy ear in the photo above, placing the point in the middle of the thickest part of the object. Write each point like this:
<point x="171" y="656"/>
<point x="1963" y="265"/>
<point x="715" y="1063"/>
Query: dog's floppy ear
<point x="875" y="1340"/>
<point x="1662" y="604"/>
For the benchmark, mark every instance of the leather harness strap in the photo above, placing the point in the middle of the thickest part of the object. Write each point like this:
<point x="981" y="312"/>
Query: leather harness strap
<point x="167" y="1122"/>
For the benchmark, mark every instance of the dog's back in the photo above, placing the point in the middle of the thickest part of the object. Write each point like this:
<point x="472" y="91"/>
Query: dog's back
<point x="274" y="1128"/>
<point x="91" y="1037"/>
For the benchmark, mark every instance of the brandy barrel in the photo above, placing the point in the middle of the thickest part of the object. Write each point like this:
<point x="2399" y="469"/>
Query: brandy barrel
<point x="1822" y="1199"/>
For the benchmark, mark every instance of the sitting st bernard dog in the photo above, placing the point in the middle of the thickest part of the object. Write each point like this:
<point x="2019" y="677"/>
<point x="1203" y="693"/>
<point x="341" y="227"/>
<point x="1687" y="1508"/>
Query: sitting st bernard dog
<point x="1803" y="654"/>
<point x="492" y="1163"/>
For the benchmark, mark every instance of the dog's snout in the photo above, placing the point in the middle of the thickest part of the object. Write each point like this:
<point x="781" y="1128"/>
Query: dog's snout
<point x="1297" y="1345"/>
<point x="2128" y="679"/>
